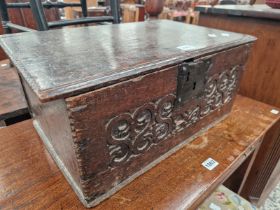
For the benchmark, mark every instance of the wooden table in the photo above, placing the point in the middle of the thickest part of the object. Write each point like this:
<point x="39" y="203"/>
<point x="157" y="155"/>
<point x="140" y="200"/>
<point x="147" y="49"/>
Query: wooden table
<point x="12" y="103"/>
<point x="261" y="78"/>
<point x="30" y="179"/>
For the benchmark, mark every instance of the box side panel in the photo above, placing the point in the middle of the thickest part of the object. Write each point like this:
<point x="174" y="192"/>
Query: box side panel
<point x="121" y="129"/>
<point x="52" y="124"/>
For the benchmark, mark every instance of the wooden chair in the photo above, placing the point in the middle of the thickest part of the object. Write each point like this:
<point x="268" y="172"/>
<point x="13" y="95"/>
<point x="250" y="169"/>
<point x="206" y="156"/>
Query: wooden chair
<point x="37" y="8"/>
<point x="69" y="11"/>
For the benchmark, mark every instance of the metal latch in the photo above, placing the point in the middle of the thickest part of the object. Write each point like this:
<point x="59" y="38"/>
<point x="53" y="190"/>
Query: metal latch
<point x="191" y="80"/>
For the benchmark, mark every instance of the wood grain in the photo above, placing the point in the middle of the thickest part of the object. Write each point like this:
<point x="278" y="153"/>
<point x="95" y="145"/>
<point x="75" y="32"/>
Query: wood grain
<point x="261" y="79"/>
<point x="111" y="156"/>
<point x="40" y="185"/>
<point x="52" y="117"/>
<point x="12" y="103"/>
<point x="135" y="49"/>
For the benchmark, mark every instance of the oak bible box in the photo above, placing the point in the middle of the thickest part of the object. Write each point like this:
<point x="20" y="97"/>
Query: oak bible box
<point x="111" y="101"/>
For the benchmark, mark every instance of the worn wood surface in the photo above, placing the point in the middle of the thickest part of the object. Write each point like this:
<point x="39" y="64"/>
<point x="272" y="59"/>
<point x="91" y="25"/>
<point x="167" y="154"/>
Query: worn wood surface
<point x="177" y="182"/>
<point x="107" y="54"/>
<point x="52" y="117"/>
<point x="256" y="11"/>
<point x="133" y="132"/>
<point x="12" y="103"/>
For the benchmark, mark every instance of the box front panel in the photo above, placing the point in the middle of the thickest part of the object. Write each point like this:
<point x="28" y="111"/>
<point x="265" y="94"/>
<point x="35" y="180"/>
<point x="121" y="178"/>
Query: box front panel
<point x="120" y="129"/>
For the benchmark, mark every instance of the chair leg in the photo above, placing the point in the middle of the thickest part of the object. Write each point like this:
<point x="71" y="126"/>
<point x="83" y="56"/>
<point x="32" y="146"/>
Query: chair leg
<point x="84" y="7"/>
<point x="115" y="8"/>
<point x="4" y="16"/>
<point x="39" y="15"/>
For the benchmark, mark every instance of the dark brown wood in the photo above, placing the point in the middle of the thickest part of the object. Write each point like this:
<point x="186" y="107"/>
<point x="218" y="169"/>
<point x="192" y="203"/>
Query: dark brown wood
<point x="40" y="185"/>
<point x="135" y="49"/>
<point x="104" y="138"/>
<point x="260" y="82"/>
<point x="133" y="132"/>
<point x="129" y="132"/>
<point x="257" y="11"/>
<point x="52" y="117"/>
<point x="12" y="103"/>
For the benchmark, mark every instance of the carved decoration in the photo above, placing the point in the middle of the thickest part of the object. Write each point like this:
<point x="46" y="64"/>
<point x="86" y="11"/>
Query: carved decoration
<point x="133" y="133"/>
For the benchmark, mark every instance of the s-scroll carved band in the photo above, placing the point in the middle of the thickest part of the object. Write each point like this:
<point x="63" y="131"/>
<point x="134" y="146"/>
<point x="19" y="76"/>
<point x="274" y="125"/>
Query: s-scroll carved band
<point x="133" y="133"/>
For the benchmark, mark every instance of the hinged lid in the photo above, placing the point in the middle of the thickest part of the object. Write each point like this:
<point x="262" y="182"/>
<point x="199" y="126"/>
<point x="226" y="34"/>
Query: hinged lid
<point x="67" y="62"/>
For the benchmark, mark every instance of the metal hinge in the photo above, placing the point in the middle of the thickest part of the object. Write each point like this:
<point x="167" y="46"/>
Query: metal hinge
<point x="191" y="80"/>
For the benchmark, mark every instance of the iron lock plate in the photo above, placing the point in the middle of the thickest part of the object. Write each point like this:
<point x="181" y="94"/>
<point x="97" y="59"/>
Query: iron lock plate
<point x="191" y="80"/>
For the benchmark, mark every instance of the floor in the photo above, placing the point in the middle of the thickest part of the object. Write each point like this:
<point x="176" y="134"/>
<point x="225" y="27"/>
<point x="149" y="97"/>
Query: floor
<point x="273" y="200"/>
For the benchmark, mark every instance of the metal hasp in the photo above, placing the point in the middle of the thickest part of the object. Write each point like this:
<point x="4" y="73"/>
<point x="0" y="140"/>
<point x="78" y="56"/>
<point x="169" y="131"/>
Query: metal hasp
<point x="191" y="80"/>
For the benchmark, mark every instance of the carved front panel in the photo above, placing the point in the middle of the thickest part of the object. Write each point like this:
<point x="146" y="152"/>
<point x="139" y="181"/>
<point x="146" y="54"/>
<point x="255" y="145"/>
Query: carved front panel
<point x="120" y="129"/>
<point x="133" y="133"/>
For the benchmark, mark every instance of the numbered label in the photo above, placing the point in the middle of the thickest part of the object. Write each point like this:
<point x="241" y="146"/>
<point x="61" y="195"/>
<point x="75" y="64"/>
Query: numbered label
<point x="210" y="164"/>
<point x="274" y="111"/>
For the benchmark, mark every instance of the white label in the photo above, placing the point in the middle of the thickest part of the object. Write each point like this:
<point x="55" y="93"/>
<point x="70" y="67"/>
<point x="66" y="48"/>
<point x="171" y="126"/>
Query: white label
<point x="186" y="47"/>
<point x="212" y="35"/>
<point x="210" y="164"/>
<point x="225" y="34"/>
<point x="214" y="207"/>
<point x="274" y="111"/>
<point x="3" y="65"/>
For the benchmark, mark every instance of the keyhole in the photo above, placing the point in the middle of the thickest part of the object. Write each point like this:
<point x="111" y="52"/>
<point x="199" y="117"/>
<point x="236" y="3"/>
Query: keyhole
<point x="194" y="84"/>
<point x="188" y="76"/>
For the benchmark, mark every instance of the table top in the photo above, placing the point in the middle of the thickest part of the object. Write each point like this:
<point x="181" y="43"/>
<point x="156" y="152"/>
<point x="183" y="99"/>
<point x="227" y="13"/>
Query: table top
<point x="12" y="103"/>
<point x="30" y="179"/>
<point x="256" y="11"/>
<point x="64" y="62"/>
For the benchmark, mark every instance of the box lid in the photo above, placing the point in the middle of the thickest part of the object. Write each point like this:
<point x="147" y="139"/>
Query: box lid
<point x="67" y="62"/>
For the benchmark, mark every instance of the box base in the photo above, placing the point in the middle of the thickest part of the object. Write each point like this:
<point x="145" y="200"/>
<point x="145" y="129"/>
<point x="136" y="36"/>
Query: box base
<point x="91" y="203"/>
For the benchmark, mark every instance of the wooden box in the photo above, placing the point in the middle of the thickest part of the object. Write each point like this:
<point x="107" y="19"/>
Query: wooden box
<point x="112" y="101"/>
